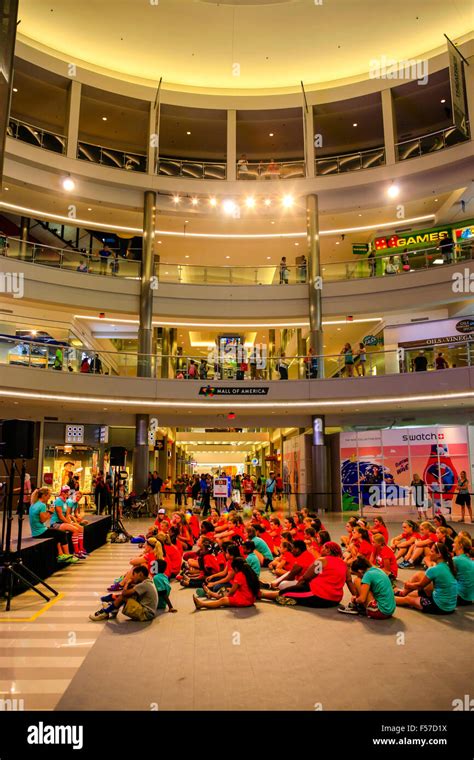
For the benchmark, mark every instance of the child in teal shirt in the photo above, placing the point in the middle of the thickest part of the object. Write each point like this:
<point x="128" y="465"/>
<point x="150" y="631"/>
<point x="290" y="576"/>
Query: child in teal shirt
<point x="251" y="558"/>
<point x="163" y="587"/>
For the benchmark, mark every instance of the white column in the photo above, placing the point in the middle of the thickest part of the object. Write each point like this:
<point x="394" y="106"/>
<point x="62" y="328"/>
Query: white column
<point x="310" y="155"/>
<point x="389" y="126"/>
<point x="231" y="145"/>
<point x="74" y="109"/>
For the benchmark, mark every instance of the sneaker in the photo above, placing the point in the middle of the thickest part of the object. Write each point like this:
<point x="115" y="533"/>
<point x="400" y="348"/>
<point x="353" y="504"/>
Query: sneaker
<point x="285" y="601"/>
<point x="99" y="615"/>
<point x="107" y="598"/>
<point x="64" y="557"/>
<point x="115" y="587"/>
<point x="79" y="555"/>
<point x="404" y="563"/>
<point x="348" y="610"/>
<point x="71" y="560"/>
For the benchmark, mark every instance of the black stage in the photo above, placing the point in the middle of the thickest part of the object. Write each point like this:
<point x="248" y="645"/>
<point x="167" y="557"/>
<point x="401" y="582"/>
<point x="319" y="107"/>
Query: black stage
<point x="39" y="555"/>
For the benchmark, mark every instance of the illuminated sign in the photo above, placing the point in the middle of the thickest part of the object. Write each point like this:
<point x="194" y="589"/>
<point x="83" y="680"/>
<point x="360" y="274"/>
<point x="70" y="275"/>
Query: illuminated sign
<point x="423" y="238"/>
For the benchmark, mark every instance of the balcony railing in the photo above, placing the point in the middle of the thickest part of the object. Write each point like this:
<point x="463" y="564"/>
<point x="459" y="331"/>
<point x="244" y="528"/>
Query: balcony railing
<point x="116" y="159"/>
<point x="171" y="167"/>
<point x="350" y="162"/>
<point x="359" y="267"/>
<point x="37" y="136"/>
<point x="239" y="365"/>
<point x="263" y="170"/>
<point x="430" y="143"/>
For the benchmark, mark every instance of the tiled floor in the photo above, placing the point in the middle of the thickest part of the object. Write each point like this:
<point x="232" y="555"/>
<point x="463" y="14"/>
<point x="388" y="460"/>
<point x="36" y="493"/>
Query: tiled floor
<point x="265" y="658"/>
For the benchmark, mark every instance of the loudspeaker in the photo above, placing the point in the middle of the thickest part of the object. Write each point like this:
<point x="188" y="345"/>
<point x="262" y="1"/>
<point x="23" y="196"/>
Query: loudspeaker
<point x="17" y="439"/>
<point x="118" y="455"/>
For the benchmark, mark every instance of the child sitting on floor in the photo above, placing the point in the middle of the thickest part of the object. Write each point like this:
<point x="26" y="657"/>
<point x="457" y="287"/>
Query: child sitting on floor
<point x="163" y="586"/>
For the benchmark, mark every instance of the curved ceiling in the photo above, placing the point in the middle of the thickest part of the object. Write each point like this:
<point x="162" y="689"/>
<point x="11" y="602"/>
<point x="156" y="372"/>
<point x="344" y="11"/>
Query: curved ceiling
<point x="241" y="44"/>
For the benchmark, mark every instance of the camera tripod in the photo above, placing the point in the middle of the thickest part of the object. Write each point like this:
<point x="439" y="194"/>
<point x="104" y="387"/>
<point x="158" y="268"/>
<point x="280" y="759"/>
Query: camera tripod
<point x="13" y="568"/>
<point x="117" y="524"/>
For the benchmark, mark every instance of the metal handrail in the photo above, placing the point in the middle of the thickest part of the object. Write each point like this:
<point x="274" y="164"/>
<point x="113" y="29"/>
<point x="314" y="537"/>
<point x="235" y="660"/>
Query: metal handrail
<point x="340" y="157"/>
<point x="35" y="126"/>
<point x="296" y="274"/>
<point x="428" y="134"/>
<point x="224" y="366"/>
<point x="181" y="163"/>
<point x="39" y="133"/>
<point x="259" y="169"/>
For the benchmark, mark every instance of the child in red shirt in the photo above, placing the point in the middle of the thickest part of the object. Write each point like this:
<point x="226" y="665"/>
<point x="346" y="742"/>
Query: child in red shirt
<point x="384" y="557"/>
<point x="244" y="591"/>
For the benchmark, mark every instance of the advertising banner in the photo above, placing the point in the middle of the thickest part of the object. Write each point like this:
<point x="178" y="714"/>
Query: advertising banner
<point x="458" y="97"/>
<point x="377" y="468"/>
<point x="220" y="488"/>
<point x="296" y="471"/>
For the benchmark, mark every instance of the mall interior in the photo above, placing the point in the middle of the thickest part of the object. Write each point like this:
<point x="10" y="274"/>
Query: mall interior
<point x="251" y="225"/>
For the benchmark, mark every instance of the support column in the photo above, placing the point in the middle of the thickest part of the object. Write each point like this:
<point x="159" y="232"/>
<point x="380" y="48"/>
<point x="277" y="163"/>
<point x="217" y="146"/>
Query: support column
<point x="310" y="154"/>
<point x="141" y="455"/>
<point x="145" y="340"/>
<point x="74" y="111"/>
<point x="232" y="145"/>
<point x="301" y="350"/>
<point x="314" y="280"/>
<point x="319" y="497"/>
<point x="271" y="352"/>
<point x="389" y="126"/>
<point x="24" y="230"/>
<point x="165" y="352"/>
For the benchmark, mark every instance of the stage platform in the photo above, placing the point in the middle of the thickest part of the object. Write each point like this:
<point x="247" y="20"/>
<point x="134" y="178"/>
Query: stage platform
<point x="39" y="555"/>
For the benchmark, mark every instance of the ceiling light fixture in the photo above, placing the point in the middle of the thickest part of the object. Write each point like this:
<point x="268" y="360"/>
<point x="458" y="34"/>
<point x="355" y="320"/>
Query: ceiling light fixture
<point x="250" y="202"/>
<point x="104" y="118"/>
<point x="188" y="133"/>
<point x="194" y="201"/>
<point x="213" y="202"/>
<point x="176" y="199"/>
<point x="68" y="184"/>
<point x="443" y="100"/>
<point x="287" y="201"/>
<point x="355" y="124"/>
<point x="229" y="207"/>
<point x="267" y="202"/>
<point x="15" y="89"/>
<point x="393" y="191"/>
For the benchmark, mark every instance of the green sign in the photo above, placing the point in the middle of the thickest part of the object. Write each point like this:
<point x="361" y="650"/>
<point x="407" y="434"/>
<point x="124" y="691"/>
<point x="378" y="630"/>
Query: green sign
<point x="372" y="340"/>
<point x="360" y="248"/>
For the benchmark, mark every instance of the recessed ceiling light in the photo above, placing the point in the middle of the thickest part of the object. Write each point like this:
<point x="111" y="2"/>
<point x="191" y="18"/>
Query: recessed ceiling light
<point x="229" y="206"/>
<point x="287" y="201"/>
<point x="213" y="202"/>
<point x="188" y="133"/>
<point x="227" y="257"/>
<point x="296" y="243"/>
<point x="160" y="242"/>
<point x="176" y="199"/>
<point x="250" y="202"/>
<point x="270" y="134"/>
<point x="89" y="209"/>
<point x="337" y="242"/>
<point x="436" y="200"/>
<point x="267" y="202"/>
<point x="6" y="188"/>
<point x="15" y="89"/>
<point x="69" y="184"/>
<point x="104" y="118"/>
<point x="268" y="257"/>
<point x="355" y="124"/>
<point x="443" y="100"/>
<point x="360" y="214"/>
<point x="194" y="201"/>
<point x="393" y="191"/>
<point x="187" y="256"/>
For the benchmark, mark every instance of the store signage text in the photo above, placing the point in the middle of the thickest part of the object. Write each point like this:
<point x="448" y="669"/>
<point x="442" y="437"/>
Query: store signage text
<point x="465" y="326"/>
<point x="438" y="341"/>
<point x="210" y="391"/>
<point x="421" y="238"/>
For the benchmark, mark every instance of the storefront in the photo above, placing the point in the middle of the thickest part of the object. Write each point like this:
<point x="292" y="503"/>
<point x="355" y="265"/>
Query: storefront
<point x="377" y="468"/>
<point x="453" y="339"/>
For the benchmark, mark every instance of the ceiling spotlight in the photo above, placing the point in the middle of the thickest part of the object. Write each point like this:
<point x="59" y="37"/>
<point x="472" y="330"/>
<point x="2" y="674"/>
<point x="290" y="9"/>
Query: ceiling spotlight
<point x="270" y="134"/>
<point x="187" y="256"/>
<point x="176" y="199"/>
<point x="337" y="242"/>
<point x="268" y="257"/>
<point x="287" y="201"/>
<point x="227" y="257"/>
<point x="250" y="202"/>
<point x="213" y="202"/>
<point x="104" y="118"/>
<point x="443" y="100"/>
<point x="355" y="124"/>
<point x="267" y="202"/>
<point x="393" y="191"/>
<point x="194" y="201"/>
<point x="229" y="207"/>
<point x="188" y="133"/>
<point x="296" y="243"/>
<point x="69" y="184"/>
<point x="15" y="89"/>
<point x="89" y="209"/>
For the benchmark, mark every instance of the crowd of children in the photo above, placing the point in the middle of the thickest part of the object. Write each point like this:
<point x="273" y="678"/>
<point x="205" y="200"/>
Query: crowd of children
<point x="221" y="557"/>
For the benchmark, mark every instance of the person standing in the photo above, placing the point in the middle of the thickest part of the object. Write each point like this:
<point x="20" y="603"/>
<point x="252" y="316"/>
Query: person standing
<point x="311" y="362"/>
<point x="372" y="262"/>
<point x="58" y="359"/>
<point x="270" y="485"/>
<point x="348" y="359"/>
<point x="101" y="494"/>
<point x="104" y="255"/>
<point x="156" y="484"/>
<point x="302" y="269"/>
<point x="463" y="499"/>
<point x="440" y="362"/>
<point x="420" y="362"/>
<point x="283" y="271"/>
<point x="420" y="499"/>
<point x="362" y="357"/>
<point x="283" y="367"/>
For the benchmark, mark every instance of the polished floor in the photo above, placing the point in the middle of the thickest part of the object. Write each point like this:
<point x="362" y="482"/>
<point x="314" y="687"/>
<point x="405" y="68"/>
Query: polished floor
<point x="262" y="658"/>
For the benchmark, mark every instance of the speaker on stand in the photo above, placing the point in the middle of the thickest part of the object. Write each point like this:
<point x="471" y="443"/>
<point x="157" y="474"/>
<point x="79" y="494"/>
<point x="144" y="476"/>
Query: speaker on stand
<point x="16" y="442"/>
<point x="118" y="458"/>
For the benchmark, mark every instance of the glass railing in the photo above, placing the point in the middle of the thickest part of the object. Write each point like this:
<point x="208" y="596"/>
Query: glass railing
<point x="175" y="167"/>
<point x="390" y="263"/>
<point x="37" y="136"/>
<point x="240" y="365"/>
<point x="116" y="159"/>
<point x="270" y="169"/>
<point x="429" y="143"/>
<point x="350" y="162"/>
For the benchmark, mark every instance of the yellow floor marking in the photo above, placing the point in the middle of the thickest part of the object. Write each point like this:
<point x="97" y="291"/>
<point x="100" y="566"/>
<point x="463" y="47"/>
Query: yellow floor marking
<point x="35" y="615"/>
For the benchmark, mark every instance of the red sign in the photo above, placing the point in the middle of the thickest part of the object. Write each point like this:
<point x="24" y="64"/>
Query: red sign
<point x="48" y="478"/>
